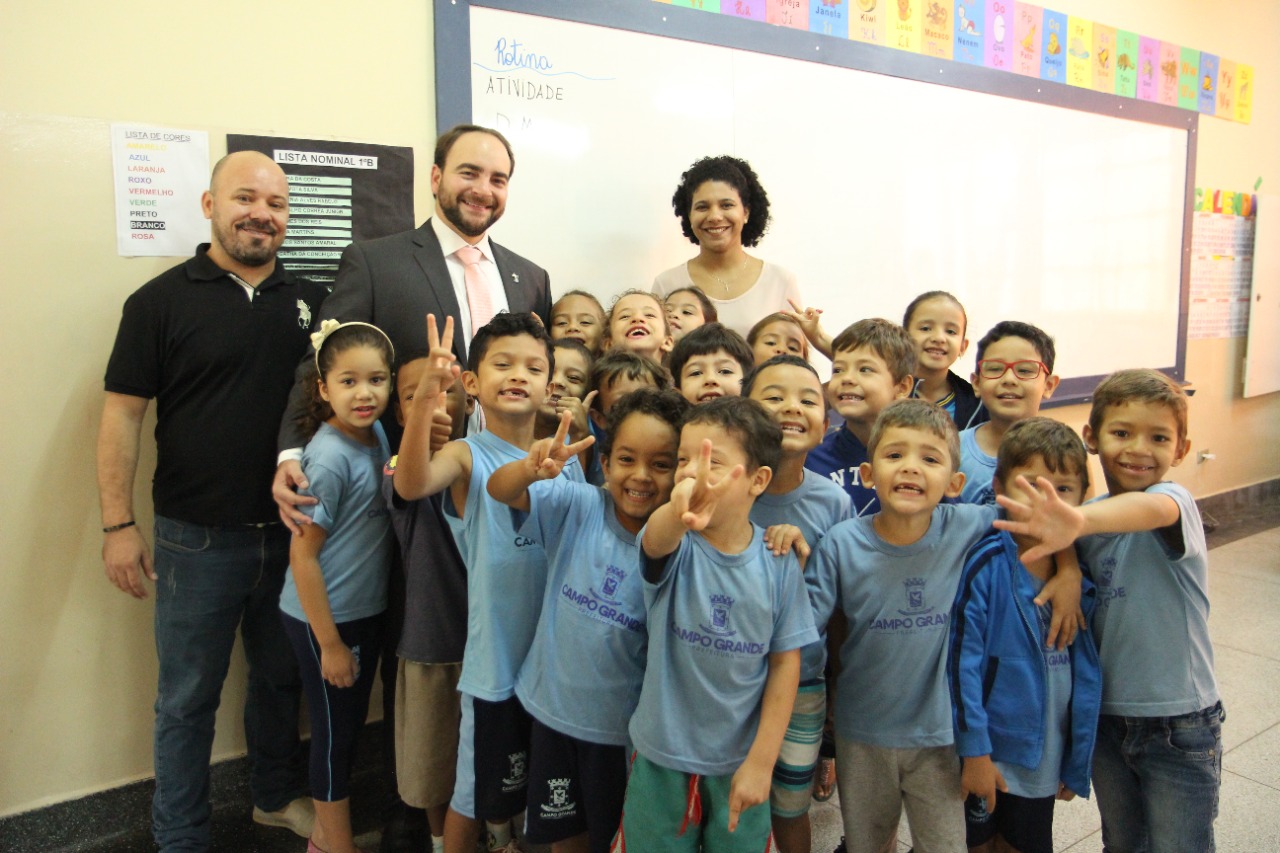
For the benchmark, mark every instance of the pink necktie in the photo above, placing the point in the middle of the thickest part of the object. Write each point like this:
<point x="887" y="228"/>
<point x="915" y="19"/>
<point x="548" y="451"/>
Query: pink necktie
<point x="479" y="301"/>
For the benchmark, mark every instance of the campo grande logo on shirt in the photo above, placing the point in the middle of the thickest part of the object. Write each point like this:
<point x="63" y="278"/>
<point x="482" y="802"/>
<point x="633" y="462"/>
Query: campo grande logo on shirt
<point x="916" y="615"/>
<point x="720" y="605"/>
<point x="915" y="597"/>
<point x="613" y="578"/>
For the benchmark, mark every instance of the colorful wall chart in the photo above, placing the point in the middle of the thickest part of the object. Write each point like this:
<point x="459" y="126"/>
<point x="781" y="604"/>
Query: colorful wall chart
<point x="1023" y="38"/>
<point x="1222" y="237"/>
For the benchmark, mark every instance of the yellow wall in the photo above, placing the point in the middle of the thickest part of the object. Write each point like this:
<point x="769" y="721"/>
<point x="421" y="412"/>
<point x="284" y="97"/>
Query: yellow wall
<point x="78" y="672"/>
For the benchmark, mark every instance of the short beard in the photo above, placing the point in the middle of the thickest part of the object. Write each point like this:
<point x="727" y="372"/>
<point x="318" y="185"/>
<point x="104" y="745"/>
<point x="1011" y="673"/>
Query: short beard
<point x="249" y="255"/>
<point x="453" y="213"/>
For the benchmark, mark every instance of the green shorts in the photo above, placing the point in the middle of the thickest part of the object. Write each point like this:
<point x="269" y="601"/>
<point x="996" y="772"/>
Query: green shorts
<point x="667" y="811"/>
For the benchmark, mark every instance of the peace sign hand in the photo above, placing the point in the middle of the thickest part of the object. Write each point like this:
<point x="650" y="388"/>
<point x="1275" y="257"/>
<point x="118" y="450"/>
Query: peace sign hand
<point x="442" y="369"/>
<point x="548" y="457"/>
<point x="695" y="499"/>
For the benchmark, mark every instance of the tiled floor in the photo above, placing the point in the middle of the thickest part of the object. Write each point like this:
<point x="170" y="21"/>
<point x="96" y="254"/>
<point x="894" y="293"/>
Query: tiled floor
<point x="1244" y="623"/>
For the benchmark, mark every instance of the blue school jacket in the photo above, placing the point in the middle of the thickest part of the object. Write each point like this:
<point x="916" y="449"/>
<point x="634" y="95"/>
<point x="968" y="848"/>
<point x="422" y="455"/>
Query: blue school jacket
<point x="996" y="669"/>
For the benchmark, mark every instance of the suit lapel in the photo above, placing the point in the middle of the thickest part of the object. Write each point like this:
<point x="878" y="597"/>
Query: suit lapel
<point x="430" y="258"/>
<point x="510" y="280"/>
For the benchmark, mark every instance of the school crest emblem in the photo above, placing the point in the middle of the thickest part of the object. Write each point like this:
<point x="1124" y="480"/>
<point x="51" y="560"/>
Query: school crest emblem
<point x="613" y="578"/>
<point x="915" y="596"/>
<point x="721" y="605"/>
<point x="558" y="803"/>
<point x="517" y="774"/>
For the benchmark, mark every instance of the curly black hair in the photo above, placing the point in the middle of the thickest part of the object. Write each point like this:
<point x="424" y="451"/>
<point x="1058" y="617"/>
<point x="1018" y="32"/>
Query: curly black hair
<point x="738" y="174"/>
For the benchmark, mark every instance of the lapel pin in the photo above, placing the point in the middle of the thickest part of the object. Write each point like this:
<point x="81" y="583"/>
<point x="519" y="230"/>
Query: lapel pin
<point x="515" y="278"/>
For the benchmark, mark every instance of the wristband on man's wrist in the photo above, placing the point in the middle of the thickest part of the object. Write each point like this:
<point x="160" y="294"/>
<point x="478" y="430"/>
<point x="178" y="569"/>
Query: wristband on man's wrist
<point x="121" y="526"/>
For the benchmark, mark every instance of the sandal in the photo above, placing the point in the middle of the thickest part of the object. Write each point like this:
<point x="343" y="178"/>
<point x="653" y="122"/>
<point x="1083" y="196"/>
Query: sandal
<point x="824" y="780"/>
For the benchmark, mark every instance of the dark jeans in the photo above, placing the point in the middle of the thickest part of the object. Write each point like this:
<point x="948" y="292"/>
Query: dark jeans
<point x="211" y="581"/>
<point x="1157" y="781"/>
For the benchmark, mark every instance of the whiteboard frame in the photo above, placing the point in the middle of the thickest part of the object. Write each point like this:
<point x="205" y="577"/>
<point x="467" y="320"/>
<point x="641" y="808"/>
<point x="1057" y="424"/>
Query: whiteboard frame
<point x="452" y="22"/>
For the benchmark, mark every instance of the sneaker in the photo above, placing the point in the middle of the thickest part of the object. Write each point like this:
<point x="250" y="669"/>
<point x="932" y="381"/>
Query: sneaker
<point x="298" y="817"/>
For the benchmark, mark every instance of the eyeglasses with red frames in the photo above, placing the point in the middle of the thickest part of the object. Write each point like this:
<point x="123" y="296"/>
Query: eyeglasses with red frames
<point x="995" y="368"/>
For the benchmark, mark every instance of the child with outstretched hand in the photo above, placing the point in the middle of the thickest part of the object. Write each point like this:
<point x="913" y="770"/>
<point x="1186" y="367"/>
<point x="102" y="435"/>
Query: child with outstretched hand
<point x="723" y="670"/>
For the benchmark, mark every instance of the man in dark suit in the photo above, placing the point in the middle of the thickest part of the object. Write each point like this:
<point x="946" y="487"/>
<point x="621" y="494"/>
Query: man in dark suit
<point x="394" y="282"/>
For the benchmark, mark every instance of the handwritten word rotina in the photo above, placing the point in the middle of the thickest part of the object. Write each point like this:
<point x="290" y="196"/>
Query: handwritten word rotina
<point x="513" y="54"/>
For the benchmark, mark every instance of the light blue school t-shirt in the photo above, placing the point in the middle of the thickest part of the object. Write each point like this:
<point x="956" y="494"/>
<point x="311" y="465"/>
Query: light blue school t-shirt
<point x="583" y="673"/>
<point x="978" y="468"/>
<point x="815" y="506"/>
<point x="892" y="687"/>
<point x="346" y="478"/>
<point x="1043" y="780"/>
<point x="506" y="575"/>
<point x="1151" y="623"/>
<point x="714" y="619"/>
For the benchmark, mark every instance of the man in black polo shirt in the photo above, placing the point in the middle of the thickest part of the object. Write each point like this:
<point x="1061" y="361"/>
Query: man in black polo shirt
<point x="215" y="341"/>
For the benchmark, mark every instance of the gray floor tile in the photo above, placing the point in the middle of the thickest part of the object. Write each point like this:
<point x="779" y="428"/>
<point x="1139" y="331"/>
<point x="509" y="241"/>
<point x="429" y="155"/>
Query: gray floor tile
<point x="1249" y="685"/>
<point x="1256" y="557"/>
<point x="827" y="828"/>
<point x="1248" y="816"/>
<point x="1074" y="822"/>
<point x="1244" y="613"/>
<point x="1092" y="844"/>
<point x="1257" y="759"/>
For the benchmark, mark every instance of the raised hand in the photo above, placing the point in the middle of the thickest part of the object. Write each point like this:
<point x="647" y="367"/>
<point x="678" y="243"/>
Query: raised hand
<point x="442" y="369"/>
<point x="810" y="322"/>
<point x="1047" y="518"/>
<point x="578" y="409"/>
<point x="548" y="457"/>
<point x="695" y="499"/>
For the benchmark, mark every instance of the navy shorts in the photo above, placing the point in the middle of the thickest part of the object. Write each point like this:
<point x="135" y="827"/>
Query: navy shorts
<point x="575" y="786"/>
<point x="493" y="759"/>
<point x="1025" y="823"/>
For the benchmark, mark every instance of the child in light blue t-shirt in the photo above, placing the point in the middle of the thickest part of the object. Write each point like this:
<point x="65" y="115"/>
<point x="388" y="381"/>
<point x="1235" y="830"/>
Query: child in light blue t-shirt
<point x="894" y="576"/>
<point x="1158" y="762"/>
<point x="581" y="680"/>
<point x="796" y="510"/>
<point x="509" y="368"/>
<point x="335" y="591"/>
<point x="728" y="620"/>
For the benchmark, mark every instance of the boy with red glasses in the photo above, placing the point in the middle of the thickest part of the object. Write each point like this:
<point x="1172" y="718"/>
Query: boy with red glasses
<point x="1013" y="375"/>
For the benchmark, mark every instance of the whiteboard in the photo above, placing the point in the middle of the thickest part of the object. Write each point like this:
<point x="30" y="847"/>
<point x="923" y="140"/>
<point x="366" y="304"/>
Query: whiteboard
<point x="880" y="187"/>
<point x="1262" y="352"/>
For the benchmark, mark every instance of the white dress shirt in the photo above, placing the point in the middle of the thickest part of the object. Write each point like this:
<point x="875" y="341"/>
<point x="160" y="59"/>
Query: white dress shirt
<point x="451" y="242"/>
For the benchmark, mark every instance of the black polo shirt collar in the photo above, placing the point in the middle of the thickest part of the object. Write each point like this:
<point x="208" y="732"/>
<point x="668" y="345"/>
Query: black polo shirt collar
<point x="201" y="267"/>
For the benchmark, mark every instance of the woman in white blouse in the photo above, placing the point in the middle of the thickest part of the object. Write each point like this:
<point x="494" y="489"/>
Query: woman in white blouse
<point x="724" y="210"/>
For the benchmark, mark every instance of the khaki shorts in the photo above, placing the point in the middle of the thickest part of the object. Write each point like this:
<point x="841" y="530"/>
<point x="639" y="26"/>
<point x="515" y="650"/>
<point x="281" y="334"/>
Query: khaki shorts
<point x="427" y="717"/>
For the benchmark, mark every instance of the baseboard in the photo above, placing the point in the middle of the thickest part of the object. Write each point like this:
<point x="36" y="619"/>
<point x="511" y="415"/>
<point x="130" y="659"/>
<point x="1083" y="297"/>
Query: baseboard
<point x="1241" y="512"/>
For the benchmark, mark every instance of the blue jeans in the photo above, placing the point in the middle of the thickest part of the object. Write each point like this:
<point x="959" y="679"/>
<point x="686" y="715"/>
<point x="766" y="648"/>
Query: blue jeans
<point x="1157" y="780"/>
<point x="211" y="580"/>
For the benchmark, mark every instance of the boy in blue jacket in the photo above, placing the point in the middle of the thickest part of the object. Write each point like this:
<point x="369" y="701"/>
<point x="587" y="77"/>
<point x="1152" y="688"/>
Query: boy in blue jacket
<point x="1025" y="713"/>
